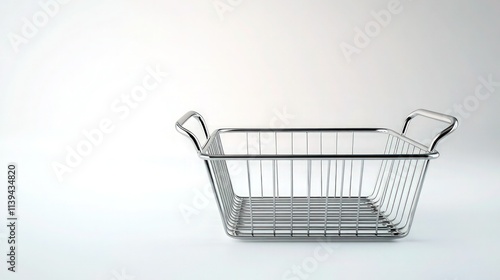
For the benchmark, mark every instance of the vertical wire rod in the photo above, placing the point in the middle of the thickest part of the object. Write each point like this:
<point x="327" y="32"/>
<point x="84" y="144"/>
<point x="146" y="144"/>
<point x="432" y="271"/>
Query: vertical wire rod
<point x="352" y="161"/>
<point x="321" y="162"/>
<point x="378" y="184"/>
<point x="382" y="198"/>
<point x="260" y="163"/>
<point x="226" y="171"/>
<point x="359" y="194"/>
<point x="409" y="193"/>
<point x="341" y="193"/>
<point x="394" y="178"/>
<point x="308" y="196"/>
<point x="404" y="184"/>
<point x="225" y="175"/>
<point x="336" y="161"/>
<point x="327" y="191"/>
<point x="400" y="177"/>
<point x="308" y="185"/>
<point x="377" y="197"/>
<point x="277" y="174"/>
<point x="389" y="178"/>
<point x="274" y="197"/>
<point x="418" y="189"/>
<point x="291" y="188"/>
<point x="220" y="189"/>
<point x="249" y="190"/>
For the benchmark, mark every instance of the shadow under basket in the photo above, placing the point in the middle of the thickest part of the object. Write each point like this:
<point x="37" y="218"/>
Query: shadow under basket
<point x="316" y="183"/>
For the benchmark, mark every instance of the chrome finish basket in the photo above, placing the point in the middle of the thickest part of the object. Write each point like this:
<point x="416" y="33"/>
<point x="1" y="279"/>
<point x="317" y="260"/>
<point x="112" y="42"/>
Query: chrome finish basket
<point x="316" y="183"/>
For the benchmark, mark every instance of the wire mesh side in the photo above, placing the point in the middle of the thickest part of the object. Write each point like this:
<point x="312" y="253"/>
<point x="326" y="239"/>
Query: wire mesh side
<point x="318" y="198"/>
<point x="223" y="188"/>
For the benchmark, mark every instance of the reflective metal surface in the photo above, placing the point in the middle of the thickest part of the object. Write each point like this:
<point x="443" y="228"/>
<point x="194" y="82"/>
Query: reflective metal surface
<point x="317" y="183"/>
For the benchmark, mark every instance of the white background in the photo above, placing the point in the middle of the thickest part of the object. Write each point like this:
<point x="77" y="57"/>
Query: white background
<point x="116" y="214"/>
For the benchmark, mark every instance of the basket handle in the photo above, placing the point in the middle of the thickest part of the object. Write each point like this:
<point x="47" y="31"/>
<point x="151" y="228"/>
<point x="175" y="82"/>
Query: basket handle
<point x="436" y="116"/>
<point x="179" y="126"/>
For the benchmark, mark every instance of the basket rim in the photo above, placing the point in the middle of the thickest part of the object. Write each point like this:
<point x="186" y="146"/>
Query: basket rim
<point x="206" y="155"/>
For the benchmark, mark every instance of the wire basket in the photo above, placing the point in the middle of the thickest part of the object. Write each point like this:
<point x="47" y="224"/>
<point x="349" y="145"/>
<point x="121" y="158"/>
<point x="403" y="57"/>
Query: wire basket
<point x="327" y="183"/>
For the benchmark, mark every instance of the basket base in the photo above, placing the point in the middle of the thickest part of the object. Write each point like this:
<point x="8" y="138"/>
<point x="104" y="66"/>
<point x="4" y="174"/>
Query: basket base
<point x="303" y="218"/>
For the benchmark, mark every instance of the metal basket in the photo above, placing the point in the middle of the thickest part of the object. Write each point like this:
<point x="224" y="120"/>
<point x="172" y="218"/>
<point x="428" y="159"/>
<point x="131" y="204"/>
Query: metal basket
<point x="326" y="183"/>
